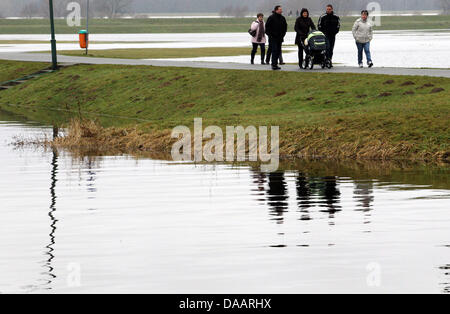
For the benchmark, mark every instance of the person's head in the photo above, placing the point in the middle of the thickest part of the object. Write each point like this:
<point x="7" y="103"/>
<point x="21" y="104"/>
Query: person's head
<point x="260" y="17"/>
<point x="278" y="9"/>
<point x="364" y="15"/>
<point x="305" y="13"/>
<point x="330" y="9"/>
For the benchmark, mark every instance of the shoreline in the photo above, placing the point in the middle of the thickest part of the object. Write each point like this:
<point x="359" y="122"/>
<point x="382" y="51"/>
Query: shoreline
<point x="89" y="138"/>
<point x="340" y="116"/>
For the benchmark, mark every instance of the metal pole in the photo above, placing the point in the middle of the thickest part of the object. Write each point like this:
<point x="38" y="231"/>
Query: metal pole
<point x="53" y="41"/>
<point x="87" y="26"/>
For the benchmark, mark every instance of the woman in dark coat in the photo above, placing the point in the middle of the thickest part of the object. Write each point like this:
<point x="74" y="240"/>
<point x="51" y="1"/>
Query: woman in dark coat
<point x="303" y="26"/>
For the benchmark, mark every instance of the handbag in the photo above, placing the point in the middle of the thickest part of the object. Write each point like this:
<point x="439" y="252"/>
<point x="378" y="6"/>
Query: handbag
<point x="252" y="33"/>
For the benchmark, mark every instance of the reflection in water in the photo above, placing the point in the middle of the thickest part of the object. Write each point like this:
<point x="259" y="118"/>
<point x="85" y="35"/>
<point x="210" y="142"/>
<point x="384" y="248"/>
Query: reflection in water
<point x="304" y="193"/>
<point x="329" y="193"/>
<point x="311" y="192"/>
<point x="259" y="179"/>
<point x="446" y="284"/>
<point x="92" y="176"/>
<point x="277" y="195"/>
<point x="50" y="248"/>
<point x="363" y="193"/>
<point x="325" y="189"/>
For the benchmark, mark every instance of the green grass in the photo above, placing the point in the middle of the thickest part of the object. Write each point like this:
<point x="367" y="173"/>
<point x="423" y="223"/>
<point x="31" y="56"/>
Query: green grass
<point x="200" y="25"/>
<point x="10" y="70"/>
<point x="159" y="53"/>
<point x="333" y="115"/>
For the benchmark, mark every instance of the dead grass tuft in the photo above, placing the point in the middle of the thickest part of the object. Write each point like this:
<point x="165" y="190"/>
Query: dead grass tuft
<point x="87" y="136"/>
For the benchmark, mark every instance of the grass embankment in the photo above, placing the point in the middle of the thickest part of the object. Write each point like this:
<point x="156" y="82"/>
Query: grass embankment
<point x="160" y="53"/>
<point x="319" y="114"/>
<point x="201" y="25"/>
<point x="10" y="70"/>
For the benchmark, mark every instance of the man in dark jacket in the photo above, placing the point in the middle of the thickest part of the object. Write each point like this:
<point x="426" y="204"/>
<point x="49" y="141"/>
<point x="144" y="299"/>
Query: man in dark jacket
<point x="303" y="26"/>
<point x="330" y="25"/>
<point x="276" y="29"/>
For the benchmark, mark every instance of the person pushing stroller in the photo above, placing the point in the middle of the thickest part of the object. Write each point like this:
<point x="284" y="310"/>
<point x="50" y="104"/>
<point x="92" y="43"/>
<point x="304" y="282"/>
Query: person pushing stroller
<point x="303" y="25"/>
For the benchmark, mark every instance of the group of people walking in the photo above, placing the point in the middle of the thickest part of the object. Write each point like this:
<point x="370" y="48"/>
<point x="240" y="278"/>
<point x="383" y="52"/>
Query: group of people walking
<point x="329" y="24"/>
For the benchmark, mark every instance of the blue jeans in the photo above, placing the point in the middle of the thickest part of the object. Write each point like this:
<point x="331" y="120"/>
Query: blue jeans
<point x="366" y="48"/>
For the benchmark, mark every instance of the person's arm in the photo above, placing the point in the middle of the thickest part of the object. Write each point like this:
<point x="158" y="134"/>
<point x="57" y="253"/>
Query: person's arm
<point x="319" y="24"/>
<point x="268" y="25"/>
<point x="254" y="26"/>
<point x="313" y="27"/>
<point x="371" y="33"/>
<point x="285" y="27"/>
<point x="297" y="26"/>
<point x="355" y="29"/>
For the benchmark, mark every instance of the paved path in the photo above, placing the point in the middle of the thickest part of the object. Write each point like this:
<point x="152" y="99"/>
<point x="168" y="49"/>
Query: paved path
<point x="45" y="57"/>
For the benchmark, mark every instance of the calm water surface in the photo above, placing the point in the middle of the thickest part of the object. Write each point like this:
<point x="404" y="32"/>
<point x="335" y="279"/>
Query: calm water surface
<point x="120" y="224"/>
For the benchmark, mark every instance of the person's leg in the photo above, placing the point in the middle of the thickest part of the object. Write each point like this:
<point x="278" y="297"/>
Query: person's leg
<point x="328" y="47"/>
<point x="360" y="53"/>
<point x="263" y="52"/>
<point x="300" y="55"/>
<point x="269" y="52"/>
<point x="276" y="48"/>
<point x="332" y="42"/>
<point x="281" y="53"/>
<point x="367" y="52"/>
<point x="254" y="50"/>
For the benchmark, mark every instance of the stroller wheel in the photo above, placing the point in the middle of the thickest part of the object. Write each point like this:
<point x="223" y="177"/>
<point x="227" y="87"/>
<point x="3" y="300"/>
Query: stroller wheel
<point x="323" y="65"/>
<point x="311" y="64"/>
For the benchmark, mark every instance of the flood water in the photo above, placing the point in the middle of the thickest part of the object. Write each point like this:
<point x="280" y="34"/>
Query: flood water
<point x="412" y="49"/>
<point x="121" y="224"/>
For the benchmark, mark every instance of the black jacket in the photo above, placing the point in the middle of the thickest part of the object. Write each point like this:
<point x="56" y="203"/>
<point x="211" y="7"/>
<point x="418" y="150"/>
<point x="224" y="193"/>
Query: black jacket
<point x="329" y="24"/>
<point x="276" y="27"/>
<point x="303" y="26"/>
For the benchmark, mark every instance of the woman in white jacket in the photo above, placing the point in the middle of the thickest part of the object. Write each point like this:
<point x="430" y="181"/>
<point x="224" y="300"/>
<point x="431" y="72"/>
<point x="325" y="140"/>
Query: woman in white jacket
<point x="363" y="34"/>
<point x="259" y="29"/>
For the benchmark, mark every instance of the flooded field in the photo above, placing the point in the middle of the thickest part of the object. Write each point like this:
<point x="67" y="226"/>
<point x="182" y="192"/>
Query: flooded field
<point x="121" y="224"/>
<point x="414" y="49"/>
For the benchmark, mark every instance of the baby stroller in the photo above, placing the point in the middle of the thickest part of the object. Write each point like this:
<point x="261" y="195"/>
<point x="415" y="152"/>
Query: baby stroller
<point x="315" y="47"/>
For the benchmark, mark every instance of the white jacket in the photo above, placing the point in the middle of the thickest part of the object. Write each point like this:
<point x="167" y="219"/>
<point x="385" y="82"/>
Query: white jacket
<point x="363" y="31"/>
